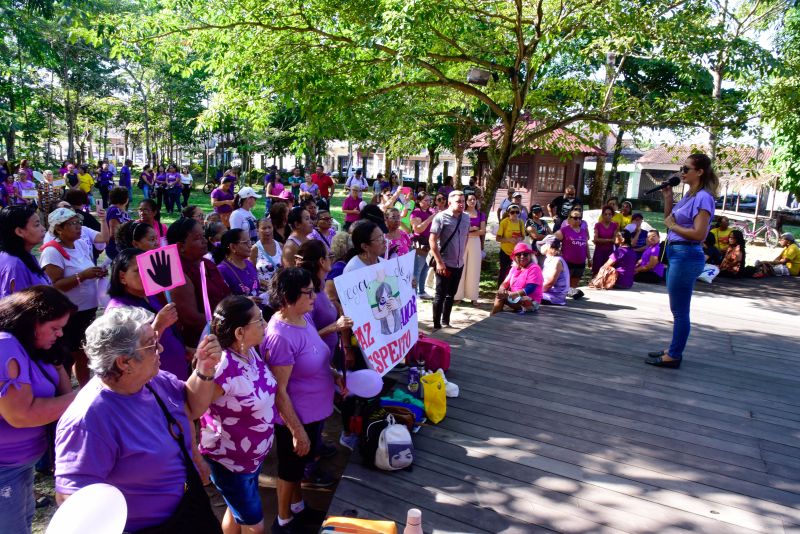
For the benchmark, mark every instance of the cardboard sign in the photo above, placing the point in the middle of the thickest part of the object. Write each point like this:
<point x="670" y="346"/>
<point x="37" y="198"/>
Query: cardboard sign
<point x="59" y="183"/>
<point x="160" y="270"/>
<point x="383" y="306"/>
<point x="30" y="193"/>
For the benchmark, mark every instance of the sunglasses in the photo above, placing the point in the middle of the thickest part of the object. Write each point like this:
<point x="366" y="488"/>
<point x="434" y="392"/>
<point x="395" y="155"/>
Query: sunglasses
<point x="513" y="212"/>
<point x="577" y="218"/>
<point x="686" y="169"/>
<point x="522" y="254"/>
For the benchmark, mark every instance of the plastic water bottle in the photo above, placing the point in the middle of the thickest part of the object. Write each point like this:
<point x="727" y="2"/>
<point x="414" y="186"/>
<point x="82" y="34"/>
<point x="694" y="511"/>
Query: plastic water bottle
<point x="413" y="522"/>
<point x="413" y="381"/>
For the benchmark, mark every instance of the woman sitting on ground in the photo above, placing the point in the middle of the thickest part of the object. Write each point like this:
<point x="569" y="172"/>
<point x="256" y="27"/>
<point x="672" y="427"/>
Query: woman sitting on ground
<point x="732" y="265"/>
<point x="622" y="260"/>
<point x="34" y="392"/>
<point x="786" y="264"/>
<point x="710" y="251"/>
<point x="649" y="269"/>
<point x="237" y="429"/>
<point x="129" y="426"/>
<point x="522" y="289"/>
<point x="555" y="272"/>
<point x="126" y="289"/>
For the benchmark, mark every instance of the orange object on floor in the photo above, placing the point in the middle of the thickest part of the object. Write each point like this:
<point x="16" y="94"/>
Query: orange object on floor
<point x="353" y="525"/>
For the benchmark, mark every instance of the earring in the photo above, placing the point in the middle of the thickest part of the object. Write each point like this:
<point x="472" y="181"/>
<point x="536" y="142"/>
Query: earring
<point x="241" y="348"/>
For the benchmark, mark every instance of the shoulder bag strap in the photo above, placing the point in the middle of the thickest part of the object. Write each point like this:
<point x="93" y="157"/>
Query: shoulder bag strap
<point x="452" y="235"/>
<point x="176" y="431"/>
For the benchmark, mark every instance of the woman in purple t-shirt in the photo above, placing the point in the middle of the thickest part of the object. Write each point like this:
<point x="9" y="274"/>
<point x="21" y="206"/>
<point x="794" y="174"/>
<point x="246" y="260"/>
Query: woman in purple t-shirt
<point x="300" y="361"/>
<point x="421" y="219"/>
<point x="129" y="425"/>
<point x="232" y="257"/>
<point x="222" y="199"/>
<point x="574" y="239"/>
<point x="605" y="231"/>
<point x="688" y="223"/>
<point x="173" y="188"/>
<point x="18" y="267"/>
<point x="236" y="432"/>
<point x="623" y="260"/>
<point x="650" y="270"/>
<point x="34" y="391"/>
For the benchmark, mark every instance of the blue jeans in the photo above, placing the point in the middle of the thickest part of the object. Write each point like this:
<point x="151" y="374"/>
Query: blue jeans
<point x="685" y="265"/>
<point x="16" y="498"/>
<point x="146" y="191"/>
<point x="420" y="272"/>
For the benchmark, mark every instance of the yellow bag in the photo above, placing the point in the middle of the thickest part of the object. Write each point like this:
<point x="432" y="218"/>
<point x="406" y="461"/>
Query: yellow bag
<point x="434" y="396"/>
<point x="351" y="525"/>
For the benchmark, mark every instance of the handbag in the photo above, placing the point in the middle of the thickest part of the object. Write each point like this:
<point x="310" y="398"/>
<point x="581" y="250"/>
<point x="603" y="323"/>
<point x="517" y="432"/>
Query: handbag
<point x="193" y="514"/>
<point x="431" y="258"/>
<point x="605" y="278"/>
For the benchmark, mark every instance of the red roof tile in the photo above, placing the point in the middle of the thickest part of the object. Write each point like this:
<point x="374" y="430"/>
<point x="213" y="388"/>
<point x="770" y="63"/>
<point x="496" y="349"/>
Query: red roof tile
<point x="558" y="140"/>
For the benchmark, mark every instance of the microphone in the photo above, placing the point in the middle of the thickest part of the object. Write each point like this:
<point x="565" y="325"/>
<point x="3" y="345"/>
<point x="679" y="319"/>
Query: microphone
<point x="672" y="182"/>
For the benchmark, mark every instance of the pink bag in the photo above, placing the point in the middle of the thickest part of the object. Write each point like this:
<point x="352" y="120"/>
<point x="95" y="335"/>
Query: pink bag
<point x="434" y="353"/>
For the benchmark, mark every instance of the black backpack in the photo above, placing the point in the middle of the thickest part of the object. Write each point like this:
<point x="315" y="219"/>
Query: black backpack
<point x="374" y="422"/>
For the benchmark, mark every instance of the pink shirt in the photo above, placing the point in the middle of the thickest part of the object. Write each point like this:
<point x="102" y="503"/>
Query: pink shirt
<point x="518" y="278"/>
<point x="237" y="429"/>
<point x="350" y="203"/>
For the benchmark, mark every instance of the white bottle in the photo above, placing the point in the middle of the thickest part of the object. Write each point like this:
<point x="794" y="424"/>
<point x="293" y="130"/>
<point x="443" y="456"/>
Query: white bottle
<point x="413" y="522"/>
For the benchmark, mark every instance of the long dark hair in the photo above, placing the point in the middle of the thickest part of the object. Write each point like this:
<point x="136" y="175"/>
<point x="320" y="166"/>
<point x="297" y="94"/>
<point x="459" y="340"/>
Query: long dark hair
<point x="228" y="238"/>
<point x="11" y="218"/>
<point x="22" y="311"/>
<point x="362" y="234"/>
<point x="129" y="232"/>
<point x="708" y="180"/>
<point x="121" y="264"/>
<point x="740" y="243"/>
<point x="231" y="313"/>
<point x="311" y="252"/>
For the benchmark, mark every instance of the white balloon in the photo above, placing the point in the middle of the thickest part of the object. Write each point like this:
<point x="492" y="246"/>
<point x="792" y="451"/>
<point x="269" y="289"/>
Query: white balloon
<point x="39" y="177"/>
<point x="364" y="383"/>
<point x="95" y="508"/>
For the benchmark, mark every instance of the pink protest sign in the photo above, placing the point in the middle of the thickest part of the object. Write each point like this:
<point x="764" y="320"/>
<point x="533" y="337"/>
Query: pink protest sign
<point x="160" y="270"/>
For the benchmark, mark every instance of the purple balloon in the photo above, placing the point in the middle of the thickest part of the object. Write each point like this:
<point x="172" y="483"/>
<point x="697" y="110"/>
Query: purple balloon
<point x="364" y="383"/>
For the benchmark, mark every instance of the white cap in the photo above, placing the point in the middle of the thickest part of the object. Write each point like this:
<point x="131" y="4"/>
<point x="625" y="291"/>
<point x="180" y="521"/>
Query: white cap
<point x="248" y="192"/>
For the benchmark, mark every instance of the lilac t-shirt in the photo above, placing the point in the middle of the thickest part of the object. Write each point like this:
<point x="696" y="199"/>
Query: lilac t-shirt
<point x="114" y="213"/>
<point x="123" y="440"/>
<point x="14" y="272"/>
<point x="19" y="446"/>
<point x="241" y="281"/>
<point x="575" y="244"/>
<point x="625" y="264"/>
<point x="310" y="385"/>
<point x="422" y="215"/>
<point x="237" y="429"/>
<point x="173" y="357"/>
<point x="219" y="194"/>
<point x="173" y="179"/>
<point x="323" y="314"/>
<point x="648" y="253"/>
<point x="686" y="210"/>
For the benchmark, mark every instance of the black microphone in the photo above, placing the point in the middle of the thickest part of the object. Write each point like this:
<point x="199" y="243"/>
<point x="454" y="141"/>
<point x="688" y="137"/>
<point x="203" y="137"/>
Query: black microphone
<point x="672" y="182"/>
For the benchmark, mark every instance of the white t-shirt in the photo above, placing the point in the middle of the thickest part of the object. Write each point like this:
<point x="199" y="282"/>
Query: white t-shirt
<point x="357" y="181"/>
<point x="84" y="296"/>
<point x="87" y="234"/>
<point x="186" y="179"/>
<point x="242" y="218"/>
<point x="356" y="263"/>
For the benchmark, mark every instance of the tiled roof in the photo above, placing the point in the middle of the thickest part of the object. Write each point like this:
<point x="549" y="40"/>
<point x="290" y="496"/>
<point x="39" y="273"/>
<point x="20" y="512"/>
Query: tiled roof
<point x="560" y="139"/>
<point x="728" y="157"/>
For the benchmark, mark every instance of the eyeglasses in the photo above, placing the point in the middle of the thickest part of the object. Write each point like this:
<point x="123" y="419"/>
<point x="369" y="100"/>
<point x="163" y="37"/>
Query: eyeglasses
<point x="325" y="219"/>
<point x="254" y="321"/>
<point x="76" y="222"/>
<point x="308" y="292"/>
<point x="686" y="169"/>
<point x="152" y="346"/>
<point x="513" y="212"/>
<point x="522" y="254"/>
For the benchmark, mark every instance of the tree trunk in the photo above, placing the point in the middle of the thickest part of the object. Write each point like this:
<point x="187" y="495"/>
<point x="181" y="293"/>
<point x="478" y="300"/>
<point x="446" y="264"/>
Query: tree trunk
<point x="387" y="165"/>
<point x="598" y="183"/>
<point x="10" y="135"/>
<point x="458" y="151"/>
<point x="433" y="161"/>
<point x="713" y="132"/>
<point x="614" y="163"/>
<point x="501" y="157"/>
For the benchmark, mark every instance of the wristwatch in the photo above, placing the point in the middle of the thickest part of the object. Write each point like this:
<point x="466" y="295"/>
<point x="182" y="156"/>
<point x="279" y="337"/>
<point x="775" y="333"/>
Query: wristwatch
<point x="203" y="377"/>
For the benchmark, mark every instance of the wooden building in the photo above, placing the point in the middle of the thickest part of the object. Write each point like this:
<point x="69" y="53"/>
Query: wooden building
<point x="543" y="169"/>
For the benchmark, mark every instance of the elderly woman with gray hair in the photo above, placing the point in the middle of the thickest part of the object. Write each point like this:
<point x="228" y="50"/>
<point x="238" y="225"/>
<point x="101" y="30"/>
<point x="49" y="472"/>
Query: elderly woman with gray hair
<point x="129" y="426"/>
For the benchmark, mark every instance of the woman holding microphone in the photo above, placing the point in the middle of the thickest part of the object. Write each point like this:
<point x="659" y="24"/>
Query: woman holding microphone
<point x="688" y="224"/>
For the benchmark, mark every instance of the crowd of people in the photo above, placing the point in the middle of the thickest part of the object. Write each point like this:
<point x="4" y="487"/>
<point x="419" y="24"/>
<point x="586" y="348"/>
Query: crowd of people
<point x="169" y="398"/>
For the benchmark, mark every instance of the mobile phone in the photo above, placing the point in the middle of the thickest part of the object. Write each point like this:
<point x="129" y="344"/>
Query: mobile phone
<point x="98" y="204"/>
<point x="406" y="190"/>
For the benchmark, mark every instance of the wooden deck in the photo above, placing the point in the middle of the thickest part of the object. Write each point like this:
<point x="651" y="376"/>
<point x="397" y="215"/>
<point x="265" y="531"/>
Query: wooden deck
<point x="561" y="427"/>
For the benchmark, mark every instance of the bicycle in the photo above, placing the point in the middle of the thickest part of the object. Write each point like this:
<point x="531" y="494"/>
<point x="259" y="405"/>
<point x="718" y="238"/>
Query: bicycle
<point x="767" y="228"/>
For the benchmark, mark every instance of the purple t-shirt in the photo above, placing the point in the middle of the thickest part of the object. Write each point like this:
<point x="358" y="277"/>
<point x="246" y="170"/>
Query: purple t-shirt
<point x="310" y="385"/>
<point x="686" y="210"/>
<point x="312" y="189"/>
<point x="604" y="233"/>
<point x="14" y="272"/>
<point x="219" y="194"/>
<point x="422" y="215"/>
<point x="123" y="440"/>
<point x="173" y="357"/>
<point x="325" y="237"/>
<point x="648" y="253"/>
<point x="106" y="178"/>
<point x="173" y="179"/>
<point x="241" y="281"/>
<point x="351" y="203"/>
<point x="323" y="314"/>
<point x="113" y="213"/>
<point x="625" y="264"/>
<point x="125" y="176"/>
<point x="161" y="179"/>
<point x="473" y="221"/>
<point x="336" y="270"/>
<point x="575" y="244"/>
<point x="237" y="429"/>
<point x="19" y="446"/>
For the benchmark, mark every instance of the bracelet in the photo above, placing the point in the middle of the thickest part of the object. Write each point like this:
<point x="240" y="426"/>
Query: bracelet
<point x="203" y="377"/>
<point x="78" y="278"/>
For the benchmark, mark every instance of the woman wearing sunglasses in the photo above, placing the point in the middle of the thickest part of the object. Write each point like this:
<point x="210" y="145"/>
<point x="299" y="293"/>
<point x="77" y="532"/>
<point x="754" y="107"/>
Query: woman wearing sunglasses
<point x="522" y="288"/>
<point x="688" y="224"/>
<point x="575" y="250"/>
<point x="510" y="232"/>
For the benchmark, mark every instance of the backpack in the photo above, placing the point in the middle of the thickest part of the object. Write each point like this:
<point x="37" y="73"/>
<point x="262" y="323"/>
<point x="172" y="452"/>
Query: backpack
<point x="395" y="448"/>
<point x="373" y="422"/>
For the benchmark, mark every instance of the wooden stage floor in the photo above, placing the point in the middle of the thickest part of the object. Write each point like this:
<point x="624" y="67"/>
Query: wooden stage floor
<point x="560" y="425"/>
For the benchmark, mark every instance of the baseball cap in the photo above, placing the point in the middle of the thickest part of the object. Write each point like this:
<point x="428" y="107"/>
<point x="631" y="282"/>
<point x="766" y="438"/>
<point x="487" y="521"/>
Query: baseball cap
<point x="637" y="215"/>
<point x="248" y="192"/>
<point x="59" y="216"/>
<point x="517" y="194"/>
<point x="521" y="248"/>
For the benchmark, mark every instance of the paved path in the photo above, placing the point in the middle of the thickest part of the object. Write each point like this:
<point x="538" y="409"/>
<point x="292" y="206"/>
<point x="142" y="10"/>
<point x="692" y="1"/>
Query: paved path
<point x="561" y="427"/>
